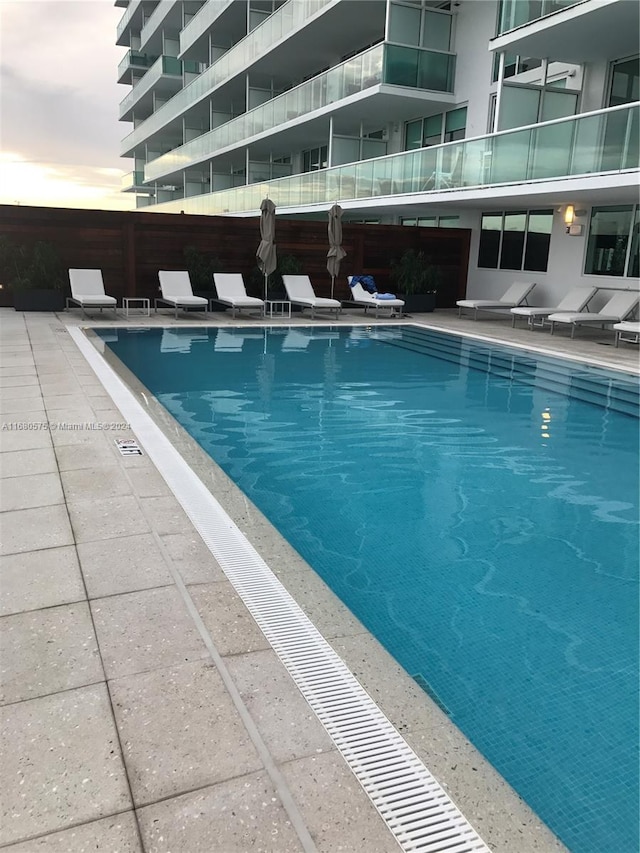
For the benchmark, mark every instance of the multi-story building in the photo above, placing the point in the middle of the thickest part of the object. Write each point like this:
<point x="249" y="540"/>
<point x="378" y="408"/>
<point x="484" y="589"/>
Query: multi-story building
<point x="518" y="119"/>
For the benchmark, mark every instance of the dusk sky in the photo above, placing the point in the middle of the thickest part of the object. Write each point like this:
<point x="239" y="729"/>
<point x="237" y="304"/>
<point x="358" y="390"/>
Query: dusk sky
<point x="59" y="129"/>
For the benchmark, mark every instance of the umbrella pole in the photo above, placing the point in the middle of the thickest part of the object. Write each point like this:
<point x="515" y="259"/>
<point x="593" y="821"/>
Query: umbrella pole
<point x="265" y="287"/>
<point x="333" y="281"/>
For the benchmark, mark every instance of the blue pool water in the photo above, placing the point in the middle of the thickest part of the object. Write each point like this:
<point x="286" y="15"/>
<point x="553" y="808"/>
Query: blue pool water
<point x="475" y="506"/>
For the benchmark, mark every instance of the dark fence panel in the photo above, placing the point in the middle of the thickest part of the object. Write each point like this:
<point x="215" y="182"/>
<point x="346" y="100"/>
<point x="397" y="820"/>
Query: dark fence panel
<point x="131" y="246"/>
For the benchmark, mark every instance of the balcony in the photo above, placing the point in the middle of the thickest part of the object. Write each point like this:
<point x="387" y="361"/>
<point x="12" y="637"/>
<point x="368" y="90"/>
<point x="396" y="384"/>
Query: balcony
<point x="384" y="63"/>
<point x="132" y="17"/>
<point x="199" y="26"/>
<point x="164" y="76"/>
<point x="134" y="182"/>
<point x="286" y="20"/>
<point x="597" y="30"/>
<point x="605" y="142"/>
<point x="133" y="59"/>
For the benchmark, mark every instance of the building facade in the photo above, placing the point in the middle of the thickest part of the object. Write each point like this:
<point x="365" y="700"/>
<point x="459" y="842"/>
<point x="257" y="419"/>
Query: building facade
<point x="517" y="119"/>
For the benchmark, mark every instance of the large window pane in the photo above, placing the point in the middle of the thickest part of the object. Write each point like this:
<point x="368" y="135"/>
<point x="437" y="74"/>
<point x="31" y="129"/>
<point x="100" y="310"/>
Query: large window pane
<point x="436" y="30"/>
<point x="518" y="107"/>
<point x="625" y="82"/>
<point x="413" y="135"/>
<point x="404" y="25"/>
<point x="536" y="254"/>
<point x="432" y="130"/>
<point x="490" y="240"/>
<point x="513" y="241"/>
<point x="608" y="240"/>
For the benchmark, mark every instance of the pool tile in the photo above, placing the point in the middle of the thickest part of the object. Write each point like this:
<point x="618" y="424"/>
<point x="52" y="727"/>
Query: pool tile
<point x="61" y="763"/>
<point x="37" y="579"/>
<point x="34" y="529"/>
<point x="45" y="651"/>
<point x="130" y="563"/>
<point x="140" y="631"/>
<point x="200" y="822"/>
<point x="179" y="731"/>
<point x="286" y="722"/>
<point x="117" y="834"/>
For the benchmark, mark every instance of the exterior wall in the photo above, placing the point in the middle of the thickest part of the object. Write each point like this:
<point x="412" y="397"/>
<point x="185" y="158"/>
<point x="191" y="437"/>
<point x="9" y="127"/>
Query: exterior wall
<point x="565" y="269"/>
<point x="475" y="26"/>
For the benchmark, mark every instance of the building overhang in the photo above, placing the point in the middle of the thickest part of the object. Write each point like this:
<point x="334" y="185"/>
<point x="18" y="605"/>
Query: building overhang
<point x="597" y="29"/>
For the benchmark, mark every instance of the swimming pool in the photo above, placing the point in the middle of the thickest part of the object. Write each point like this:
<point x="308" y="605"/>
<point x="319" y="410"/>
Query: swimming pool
<point x="475" y="506"/>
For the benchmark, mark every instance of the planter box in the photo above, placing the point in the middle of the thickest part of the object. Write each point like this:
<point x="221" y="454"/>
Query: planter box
<point x="418" y="303"/>
<point x="38" y="300"/>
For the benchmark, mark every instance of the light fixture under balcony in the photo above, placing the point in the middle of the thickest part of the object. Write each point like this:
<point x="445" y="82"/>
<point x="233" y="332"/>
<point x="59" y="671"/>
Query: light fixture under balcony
<point x="570" y="213"/>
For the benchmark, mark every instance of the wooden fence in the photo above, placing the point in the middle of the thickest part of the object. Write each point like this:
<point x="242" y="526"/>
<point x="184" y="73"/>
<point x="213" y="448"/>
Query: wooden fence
<point x="131" y="246"/>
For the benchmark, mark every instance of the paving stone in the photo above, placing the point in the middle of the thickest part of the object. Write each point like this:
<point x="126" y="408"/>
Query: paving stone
<point x="19" y="463"/>
<point x="129" y="563"/>
<point x="192" y="558"/>
<point x="231" y="817"/>
<point x="37" y="579"/>
<point x="179" y="731"/>
<point x="336" y="810"/>
<point x="34" y="529"/>
<point x="232" y="628"/>
<point x="144" y="630"/>
<point x="106" y="518"/>
<point x="32" y="490"/>
<point x="286" y="722"/>
<point x="45" y="651"/>
<point x="80" y="484"/>
<point x="168" y="516"/>
<point x="118" y="834"/>
<point x="60" y="763"/>
<point x="25" y="438"/>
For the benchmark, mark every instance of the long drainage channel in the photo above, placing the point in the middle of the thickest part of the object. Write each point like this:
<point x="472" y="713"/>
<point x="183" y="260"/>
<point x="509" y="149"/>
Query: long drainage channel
<point x="412" y="803"/>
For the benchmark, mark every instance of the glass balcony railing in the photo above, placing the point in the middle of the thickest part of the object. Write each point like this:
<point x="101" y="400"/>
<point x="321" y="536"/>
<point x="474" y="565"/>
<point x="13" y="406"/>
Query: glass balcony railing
<point x="135" y="59"/>
<point x="516" y="13"/>
<point x="125" y="20"/>
<point x="155" y="20"/>
<point x="132" y="180"/>
<point x="376" y="65"/>
<point x="592" y="143"/>
<point x="163" y="66"/>
<point x="285" y="20"/>
<point x="201" y="22"/>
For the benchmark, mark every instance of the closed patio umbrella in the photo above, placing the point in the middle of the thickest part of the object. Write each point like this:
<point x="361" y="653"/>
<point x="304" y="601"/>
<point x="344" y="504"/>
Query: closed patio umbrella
<point x="336" y="253"/>
<point x="266" y="255"/>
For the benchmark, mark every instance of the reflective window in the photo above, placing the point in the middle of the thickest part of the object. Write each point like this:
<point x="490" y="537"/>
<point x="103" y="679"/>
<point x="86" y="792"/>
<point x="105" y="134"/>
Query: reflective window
<point x="625" y="82"/>
<point x="435" y="129"/>
<point x="515" y="240"/>
<point x="612" y="248"/>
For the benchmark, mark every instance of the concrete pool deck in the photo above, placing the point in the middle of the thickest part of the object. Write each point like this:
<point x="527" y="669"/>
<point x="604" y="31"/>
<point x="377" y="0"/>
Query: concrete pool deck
<point x="138" y="719"/>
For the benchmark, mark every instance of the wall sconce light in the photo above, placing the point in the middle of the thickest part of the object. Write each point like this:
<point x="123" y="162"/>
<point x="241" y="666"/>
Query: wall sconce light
<point x="570" y="213"/>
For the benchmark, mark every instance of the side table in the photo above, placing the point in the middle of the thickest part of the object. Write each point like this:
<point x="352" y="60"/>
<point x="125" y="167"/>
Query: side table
<point x="129" y="303"/>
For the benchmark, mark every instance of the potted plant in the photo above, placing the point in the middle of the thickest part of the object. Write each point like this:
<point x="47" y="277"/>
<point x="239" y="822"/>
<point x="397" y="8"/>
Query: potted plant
<point x="201" y="269"/>
<point x="35" y="274"/>
<point x="416" y="281"/>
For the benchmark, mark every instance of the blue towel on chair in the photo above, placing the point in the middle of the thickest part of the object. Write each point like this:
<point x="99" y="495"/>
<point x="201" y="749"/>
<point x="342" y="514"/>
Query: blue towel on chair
<point x="366" y="281"/>
<point x="385" y="296"/>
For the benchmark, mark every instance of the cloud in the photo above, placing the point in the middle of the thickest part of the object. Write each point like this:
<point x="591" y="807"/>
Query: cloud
<point x="59" y="99"/>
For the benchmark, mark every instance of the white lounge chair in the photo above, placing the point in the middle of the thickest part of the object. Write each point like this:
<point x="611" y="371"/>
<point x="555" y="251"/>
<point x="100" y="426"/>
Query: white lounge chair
<point x="575" y="300"/>
<point x="232" y="292"/>
<point x="87" y="291"/>
<point x="177" y="291"/>
<point x="513" y="297"/>
<point x="628" y="331"/>
<point x="362" y="297"/>
<point x="618" y="308"/>
<point x="300" y="292"/>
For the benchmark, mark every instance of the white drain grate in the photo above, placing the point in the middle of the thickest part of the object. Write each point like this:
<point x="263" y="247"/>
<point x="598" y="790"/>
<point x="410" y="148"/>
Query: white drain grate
<point x="414" y="806"/>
